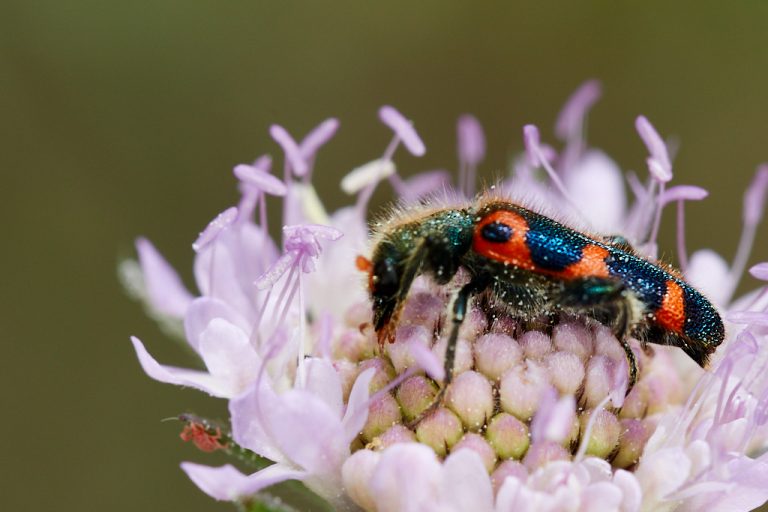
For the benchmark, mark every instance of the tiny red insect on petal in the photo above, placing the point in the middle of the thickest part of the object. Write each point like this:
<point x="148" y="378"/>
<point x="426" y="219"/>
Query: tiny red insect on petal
<point x="206" y="439"/>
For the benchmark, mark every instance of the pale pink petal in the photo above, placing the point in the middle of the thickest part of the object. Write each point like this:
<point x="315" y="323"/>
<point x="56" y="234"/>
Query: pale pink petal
<point x="357" y="405"/>
<point x="619" y="381"/>
<point x="323" y="381"/>
<point x="746" y="488"/>
<point x="216" y="226"/>
<point x="260" y="179"/>
<point x="165" y="291"/>
<point x="179" y="376"/>
<point x="220" y="272"/>
<point x="514" y="495"/>
<point x="292" y="152"/>
<point x="662" y="472"/>
<point x="471" y="140"/>
<point x="630" y="488"/>
<point x="426" y="183"/>
<point x="227" y="268"/>
<point x="406" y="479"/>
<point x="761" y="409"/>
<point x="595" y="470"/>
<point x="600" y="496"/>
<point x="554" y="418"/>
<point x="229" y="355"/>
<point x="403" y="128"/>
<point x="532" y="144"/>
<point x="356" y="475"/>
<point x="749" y="318"/>
<point x="636" y="186"/>
<point x="465" y="485"/>
<point x="576" y="107"/>
<point x="226" y="483"/>
<point x="202" y="311"/>
<point x="709" y="273"/>
<point x="302" y="416"/>
<point x="319" y="135"/>
<point x="658" y="163"/>
<point x="596" y="186"/>
<point x="750" y="300"/>
<point x="247" y="412"/>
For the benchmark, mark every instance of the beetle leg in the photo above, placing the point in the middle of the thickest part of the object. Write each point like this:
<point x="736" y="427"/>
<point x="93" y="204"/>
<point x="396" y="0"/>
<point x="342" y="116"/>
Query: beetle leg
<point x="621" y="331"/>
<point x="475" y="286"/>
<point x="608" y="299"/>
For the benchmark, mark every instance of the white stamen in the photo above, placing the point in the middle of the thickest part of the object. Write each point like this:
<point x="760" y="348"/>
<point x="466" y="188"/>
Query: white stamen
<point x="588" y="431"/>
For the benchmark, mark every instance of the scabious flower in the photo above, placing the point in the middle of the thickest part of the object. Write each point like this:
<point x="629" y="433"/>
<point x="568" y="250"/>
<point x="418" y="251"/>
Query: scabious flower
<point x="533" y="420"/>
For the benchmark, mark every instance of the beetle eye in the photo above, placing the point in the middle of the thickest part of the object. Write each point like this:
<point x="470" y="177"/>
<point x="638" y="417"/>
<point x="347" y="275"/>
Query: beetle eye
<point x="386" y="281"/>
<point x="497" y="232"/>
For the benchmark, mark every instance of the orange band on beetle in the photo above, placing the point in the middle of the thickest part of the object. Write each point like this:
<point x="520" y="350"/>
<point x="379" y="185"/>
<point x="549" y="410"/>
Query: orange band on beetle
<point x="671" y="314"/>
<point x="514" y="251"/>
<point x="591" y="264"/>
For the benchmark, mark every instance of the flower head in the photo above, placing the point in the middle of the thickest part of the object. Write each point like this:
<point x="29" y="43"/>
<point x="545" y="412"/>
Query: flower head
<point x="536" y="416"/>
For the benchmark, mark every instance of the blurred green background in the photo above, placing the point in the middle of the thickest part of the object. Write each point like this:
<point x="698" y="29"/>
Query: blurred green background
<point x="125" y="118"/>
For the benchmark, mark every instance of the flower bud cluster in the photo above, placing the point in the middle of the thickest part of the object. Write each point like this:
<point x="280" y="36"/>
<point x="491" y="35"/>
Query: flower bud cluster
<point x="504" y="377"/>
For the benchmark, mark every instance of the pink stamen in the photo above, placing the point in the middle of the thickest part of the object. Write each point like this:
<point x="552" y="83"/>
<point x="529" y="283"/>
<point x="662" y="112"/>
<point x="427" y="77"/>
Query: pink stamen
<point x="263" y="213"/>
<point x="315" y="139"/>
<point x="537" y="158"/>
<point x="645" y="211"/>
<point x="682" y="253"/>
<point x="403" y="128"/>
<point x="638" y="189"/>
<point x="724" y="373"/>
<point x="389" y="152"/>
<point x="302" y="331"/>
<point x="209" y="236"/>
<point x="571" y="119"/>
<point x="659" y="163"/>
<point x="471" y="145"/>
<point x="255" y="338"/>
<point x="397" y="183"/>
<point x="657" y="215"/>
<point x="214" y="228"/>
<point x="571" y="123"/>
<point x="760" y="271"/>
<point x="680" y="194"/>
<point x="426" y="359"/>
<point x="754" y="206"/>
<point x="407" y="374"/>
<point x="295" y="285"/>
<point x="294" y="159"/>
